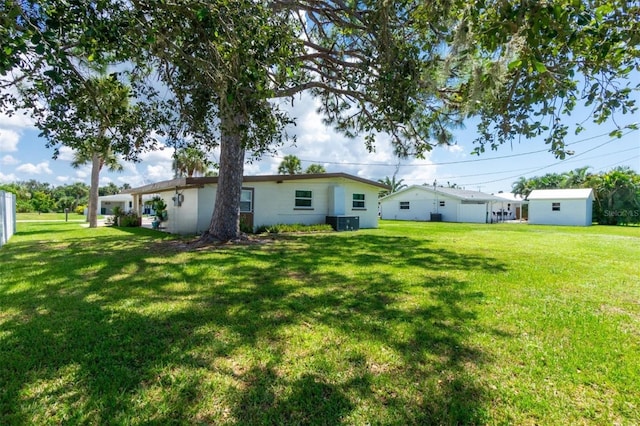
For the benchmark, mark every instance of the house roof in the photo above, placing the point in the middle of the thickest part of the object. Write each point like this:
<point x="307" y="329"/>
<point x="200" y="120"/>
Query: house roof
<point x="460" y="194"/>
<point x="191" y="182"/>
<point x="509" y="196"/>
<point x="116" y="197"/>
<point x="560" y="194"/>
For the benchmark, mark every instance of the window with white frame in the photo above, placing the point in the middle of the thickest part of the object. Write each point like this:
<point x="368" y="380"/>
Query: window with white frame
<point x="404" y="205"/>
<point x="555" y="207"/>
<point x="304" y="199"/>
<point x="358" y="201"/>
<point x="442" y="203"/>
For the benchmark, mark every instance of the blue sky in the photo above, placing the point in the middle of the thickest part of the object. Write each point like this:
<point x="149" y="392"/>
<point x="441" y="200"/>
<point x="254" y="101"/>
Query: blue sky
<point x="23" y="156"/>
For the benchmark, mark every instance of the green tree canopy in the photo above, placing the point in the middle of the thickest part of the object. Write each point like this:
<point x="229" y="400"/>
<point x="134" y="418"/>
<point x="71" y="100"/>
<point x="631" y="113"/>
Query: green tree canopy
<point x="190" y="161"/>
<point x="315" y="169"/>
<point x="290" y="165"/>
<point x="394" y="184"/>
<point x="412" y="70"/>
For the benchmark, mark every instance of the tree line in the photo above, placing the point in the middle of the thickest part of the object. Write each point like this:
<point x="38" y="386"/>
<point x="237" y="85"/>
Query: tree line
<point x="42" y="197"/>
<point x="616" y="192"/>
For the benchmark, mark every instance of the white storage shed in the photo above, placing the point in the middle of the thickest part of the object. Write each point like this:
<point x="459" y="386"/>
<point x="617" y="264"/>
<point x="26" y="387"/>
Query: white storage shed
<point x="572" y="207"/>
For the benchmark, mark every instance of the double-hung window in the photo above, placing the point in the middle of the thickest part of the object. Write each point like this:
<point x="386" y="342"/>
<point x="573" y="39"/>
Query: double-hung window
<point x="246" y="201"/>
<point x="555" y="207"/>
<point x="404" y="205"/>
<point x="358" y="201"/>
<point x="304" y="199"/>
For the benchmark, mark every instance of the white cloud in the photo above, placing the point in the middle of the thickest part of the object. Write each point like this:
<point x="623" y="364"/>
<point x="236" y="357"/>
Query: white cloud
<point x="104" y="180"/>
<point x="35" y="169"/>
<point x="8" y="178"/>
<point x="158" y="172"/>
<point x="9" y="140"/>
<point x="65" y="153"/>
<point x="63" y="179"/>
<point x="454" y="148"/>
<point x="9" y="160"/>
<point x="163" y="154"/>
<point x="83" y="173"/>
<point x="18" y="120"/>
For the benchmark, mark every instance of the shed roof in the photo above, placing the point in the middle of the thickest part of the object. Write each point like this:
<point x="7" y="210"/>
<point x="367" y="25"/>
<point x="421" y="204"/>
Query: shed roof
<point x="560" y="194"/>
<point x="509" y="196"/>
<point x="189" y="182"/>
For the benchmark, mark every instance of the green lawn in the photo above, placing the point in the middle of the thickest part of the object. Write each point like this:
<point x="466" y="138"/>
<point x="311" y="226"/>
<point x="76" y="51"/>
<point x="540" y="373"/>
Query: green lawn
<point x="50" y="216"/>
<point x="413" y="323"/>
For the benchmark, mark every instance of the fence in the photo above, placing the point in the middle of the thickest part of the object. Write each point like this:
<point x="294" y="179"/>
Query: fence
<point x="7" y="216"/>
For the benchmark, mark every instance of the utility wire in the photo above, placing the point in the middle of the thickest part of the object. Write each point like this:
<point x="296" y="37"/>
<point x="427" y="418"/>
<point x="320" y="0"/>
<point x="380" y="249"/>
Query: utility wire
<point x="475" y="160"/>
<point x="547" y="166"/>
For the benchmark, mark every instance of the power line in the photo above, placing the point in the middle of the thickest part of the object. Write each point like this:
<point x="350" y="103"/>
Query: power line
<point x="547" y="166"/>
<point x="475" y="160"/>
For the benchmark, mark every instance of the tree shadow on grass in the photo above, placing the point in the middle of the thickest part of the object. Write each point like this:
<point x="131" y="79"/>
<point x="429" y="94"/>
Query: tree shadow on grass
<point x="121" y="330"/>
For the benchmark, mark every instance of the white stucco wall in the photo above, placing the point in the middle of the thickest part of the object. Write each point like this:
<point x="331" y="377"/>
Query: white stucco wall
<point x="572" y="212"/>
<point x="274" y="203"/>
<point x="473" y="212"/>
<point x="106" y="203"/>
<point x="421" y="205"/>
<point x="181" y="219"/>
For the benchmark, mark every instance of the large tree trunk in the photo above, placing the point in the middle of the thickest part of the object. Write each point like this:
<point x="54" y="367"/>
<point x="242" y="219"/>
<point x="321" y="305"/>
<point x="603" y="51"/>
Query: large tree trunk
<point x="225" y="221"/>
<point x="96" y="165"/>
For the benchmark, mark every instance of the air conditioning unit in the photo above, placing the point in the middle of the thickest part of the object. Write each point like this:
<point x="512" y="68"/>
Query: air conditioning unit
<point x="344" y="223"/>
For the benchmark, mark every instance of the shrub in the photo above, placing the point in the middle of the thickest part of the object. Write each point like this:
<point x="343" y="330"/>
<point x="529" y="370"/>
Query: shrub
<point x="80" y="209"/>
<point x="296" y="227"/>
<point x="130" y="219"/>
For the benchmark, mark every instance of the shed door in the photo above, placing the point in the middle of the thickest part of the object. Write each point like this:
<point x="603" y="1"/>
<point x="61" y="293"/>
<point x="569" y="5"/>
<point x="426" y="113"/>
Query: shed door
<point x="246" y="208"/>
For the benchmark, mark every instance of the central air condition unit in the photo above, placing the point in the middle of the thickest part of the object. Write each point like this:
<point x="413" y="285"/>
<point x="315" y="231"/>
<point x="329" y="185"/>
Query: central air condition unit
<point x="344" y="223"/>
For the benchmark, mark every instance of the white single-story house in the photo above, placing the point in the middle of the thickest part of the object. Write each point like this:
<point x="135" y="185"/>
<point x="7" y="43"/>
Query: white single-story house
<point x="336" y="198"/>
<point x="572" y="207"/>
<point x="106" y="203"/>
<point x="427" y="203"/>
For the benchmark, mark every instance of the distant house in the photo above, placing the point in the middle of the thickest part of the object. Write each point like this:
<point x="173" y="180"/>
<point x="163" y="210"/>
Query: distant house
<point x="561" y="207"/>
<point x="107" y="203"/>
<point x="426" y="203"/>
<point x="335" y="198"/>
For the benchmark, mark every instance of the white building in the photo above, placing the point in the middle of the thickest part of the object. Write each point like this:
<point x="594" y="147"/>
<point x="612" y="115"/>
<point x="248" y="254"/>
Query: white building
<point x="107" y="203"/>
<point x="561" y="207"/>
<point x="426" y="203"/>
<point x="269" y="200"/>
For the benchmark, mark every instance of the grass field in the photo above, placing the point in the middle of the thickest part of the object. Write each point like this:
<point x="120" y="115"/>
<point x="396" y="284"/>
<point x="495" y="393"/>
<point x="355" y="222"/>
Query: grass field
<point x="72" y="216"/>
<point x="412" y="323"/>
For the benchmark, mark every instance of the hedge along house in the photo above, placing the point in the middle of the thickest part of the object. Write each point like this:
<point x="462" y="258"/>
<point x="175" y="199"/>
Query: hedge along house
<point x="307" y="199"/>
<point x="426" y="203"/>
<point x="573" y="207"/>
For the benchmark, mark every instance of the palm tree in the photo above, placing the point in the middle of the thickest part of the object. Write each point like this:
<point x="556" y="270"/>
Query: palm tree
<point x="98" y="159"/>
<point x="575" y="178"/>
<point x="522" y="187"/>
<point x="395" y="185"/>
<point x="104" y="107"/>
<point x="315" y="169"/>
<point x="190" y="162"/>
<point x="290" y="165"/>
